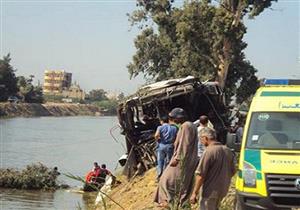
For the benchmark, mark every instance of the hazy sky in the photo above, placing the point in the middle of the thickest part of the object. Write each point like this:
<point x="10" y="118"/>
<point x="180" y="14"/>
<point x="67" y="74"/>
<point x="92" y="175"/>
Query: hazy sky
<point x="93" y="40"/>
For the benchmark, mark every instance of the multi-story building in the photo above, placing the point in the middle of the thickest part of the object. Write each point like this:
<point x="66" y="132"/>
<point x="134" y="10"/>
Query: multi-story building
<point x="55" y="81"/>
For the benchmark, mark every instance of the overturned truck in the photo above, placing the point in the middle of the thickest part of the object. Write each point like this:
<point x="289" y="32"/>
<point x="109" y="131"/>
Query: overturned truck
<point x="139" y="115"/>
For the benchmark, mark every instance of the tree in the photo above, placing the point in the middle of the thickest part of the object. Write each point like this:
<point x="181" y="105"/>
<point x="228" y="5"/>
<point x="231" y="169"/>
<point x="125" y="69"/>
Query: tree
<point x="24" y="86"/>
<point x="8" y="80"/>
<point x="200" y="39"/>
<point x="108" y="106"/>
<point x="121" y="96"/>
<point x="29" y="92"/>
<point x="97" y="95"/>
<point x="234" y="11"/>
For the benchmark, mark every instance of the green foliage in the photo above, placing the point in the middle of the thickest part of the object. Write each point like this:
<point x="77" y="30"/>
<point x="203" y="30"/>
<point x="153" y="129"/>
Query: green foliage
<point x="109" y="106"/>
<point x="37" y="95"/>
<point x="121" y="96"/>
<point x="8" y="80"/>
<point x="97" y="95"/>
<point x="53" y="98"/>
<point x="30" y="93"/>
<point x="11" y="85"/>
<point x="251" y="7"/>
<point x="200" y="39"/>
<point x="35" y="176"/>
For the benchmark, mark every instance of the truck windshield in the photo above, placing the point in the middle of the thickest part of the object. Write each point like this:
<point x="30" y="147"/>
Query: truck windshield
<point x="274" y="130"/>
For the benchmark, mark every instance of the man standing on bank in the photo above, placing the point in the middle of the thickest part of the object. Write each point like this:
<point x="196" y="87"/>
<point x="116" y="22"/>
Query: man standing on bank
<point x="203" y="123"/>
<point x="214" y="172"/>
<point x="177" y="179"/>
<point x="165" y="136"/>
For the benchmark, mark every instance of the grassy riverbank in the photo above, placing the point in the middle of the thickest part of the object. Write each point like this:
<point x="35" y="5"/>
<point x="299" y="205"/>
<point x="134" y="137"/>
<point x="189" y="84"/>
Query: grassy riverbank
<point x="48" y="109"/>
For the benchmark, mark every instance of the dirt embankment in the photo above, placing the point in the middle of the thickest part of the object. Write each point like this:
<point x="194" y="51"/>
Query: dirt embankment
<point x="49" y="109"/>
<point x="139" y="194"/>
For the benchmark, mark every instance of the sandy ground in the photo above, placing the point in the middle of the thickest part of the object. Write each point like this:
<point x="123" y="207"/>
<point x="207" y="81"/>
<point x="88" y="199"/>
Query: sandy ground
<point x="138" y="194"/>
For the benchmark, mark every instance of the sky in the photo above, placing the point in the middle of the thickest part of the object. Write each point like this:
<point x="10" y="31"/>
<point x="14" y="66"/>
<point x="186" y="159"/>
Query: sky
<point x="93" y="40"/>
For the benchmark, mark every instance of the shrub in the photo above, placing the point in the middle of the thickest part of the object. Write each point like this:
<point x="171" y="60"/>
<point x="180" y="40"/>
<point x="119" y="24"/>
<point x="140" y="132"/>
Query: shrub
<point x="35" y="176"/>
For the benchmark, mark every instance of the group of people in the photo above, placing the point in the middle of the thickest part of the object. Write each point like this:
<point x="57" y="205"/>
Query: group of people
<point x="184" y="152"/>
<point x="98" y="174"/>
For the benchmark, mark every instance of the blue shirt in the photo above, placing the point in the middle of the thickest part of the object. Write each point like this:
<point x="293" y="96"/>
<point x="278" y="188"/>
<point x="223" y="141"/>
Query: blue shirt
<point x="167" y="133"/>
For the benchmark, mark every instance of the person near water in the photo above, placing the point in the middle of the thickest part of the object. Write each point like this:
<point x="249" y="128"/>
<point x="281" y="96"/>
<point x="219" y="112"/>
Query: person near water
<point x="96" y="172"/>
<point x="96" y="166"/>
<point x="177" y="179"/>
<point x="93" y="179"/>
<point x="165" y="136"/>
<point x="55" y="171"/>
<point x="91" y="176"/>
<point x="103" y="173"/>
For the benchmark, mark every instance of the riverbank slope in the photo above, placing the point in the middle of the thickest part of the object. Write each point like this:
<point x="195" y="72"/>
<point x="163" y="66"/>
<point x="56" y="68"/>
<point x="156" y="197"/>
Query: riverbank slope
<point x="48" y="109"/>
<point x="138" y="194"/>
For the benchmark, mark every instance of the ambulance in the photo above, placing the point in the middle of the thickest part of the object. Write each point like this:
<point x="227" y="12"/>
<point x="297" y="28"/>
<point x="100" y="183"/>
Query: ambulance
<point x="268" y="175"/>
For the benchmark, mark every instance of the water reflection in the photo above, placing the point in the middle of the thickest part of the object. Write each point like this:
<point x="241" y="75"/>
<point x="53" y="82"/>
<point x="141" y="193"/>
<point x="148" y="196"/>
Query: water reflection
<point x="88" y="199"/>
<point x="26" y="199"/>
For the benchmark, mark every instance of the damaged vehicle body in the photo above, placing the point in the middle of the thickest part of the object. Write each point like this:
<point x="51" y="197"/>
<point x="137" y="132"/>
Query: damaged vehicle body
<point x="139" y="116"/>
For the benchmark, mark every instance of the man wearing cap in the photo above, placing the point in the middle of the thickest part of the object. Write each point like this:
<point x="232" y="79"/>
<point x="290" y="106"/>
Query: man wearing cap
<point x="176" y="180"/>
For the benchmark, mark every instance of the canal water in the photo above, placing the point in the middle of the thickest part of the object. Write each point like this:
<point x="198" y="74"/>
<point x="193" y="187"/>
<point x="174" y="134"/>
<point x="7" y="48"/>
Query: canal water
<point x="70" y="143"/>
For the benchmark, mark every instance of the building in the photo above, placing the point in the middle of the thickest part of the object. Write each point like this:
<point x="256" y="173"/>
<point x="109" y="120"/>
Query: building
<point x="58" y="87"/>
<point x="112" y="95"/>
<point x="55" y="81"/>
<point x="74" y="92"/>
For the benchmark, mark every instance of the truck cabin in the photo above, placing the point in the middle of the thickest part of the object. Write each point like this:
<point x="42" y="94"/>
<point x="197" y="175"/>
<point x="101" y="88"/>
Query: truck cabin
<point x="139" y="115"/>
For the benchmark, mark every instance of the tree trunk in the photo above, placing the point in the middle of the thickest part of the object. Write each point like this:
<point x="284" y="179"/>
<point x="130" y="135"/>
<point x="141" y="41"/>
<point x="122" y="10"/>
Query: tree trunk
<point x="225" y="58"/>
<point x="225" y="61"/>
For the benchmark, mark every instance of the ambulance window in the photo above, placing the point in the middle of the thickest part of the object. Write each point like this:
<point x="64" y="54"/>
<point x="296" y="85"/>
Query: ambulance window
<point x="274" y="130"/>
